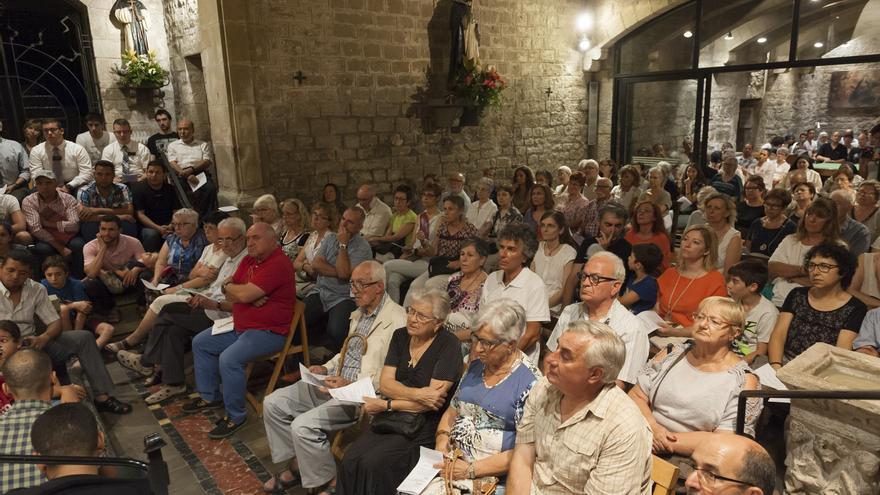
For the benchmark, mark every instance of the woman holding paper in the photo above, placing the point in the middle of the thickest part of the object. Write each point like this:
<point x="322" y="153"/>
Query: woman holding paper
<point x="482" y="418"/>
<point x="422" y="365"/>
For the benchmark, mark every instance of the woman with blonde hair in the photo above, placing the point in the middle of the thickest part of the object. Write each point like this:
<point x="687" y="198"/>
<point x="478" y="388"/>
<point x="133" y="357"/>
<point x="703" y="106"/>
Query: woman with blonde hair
<point x="720" y="214"/>
<point x="266" y="210"/>
<point x="325" y="218"/>
<point x="294" y="232"/>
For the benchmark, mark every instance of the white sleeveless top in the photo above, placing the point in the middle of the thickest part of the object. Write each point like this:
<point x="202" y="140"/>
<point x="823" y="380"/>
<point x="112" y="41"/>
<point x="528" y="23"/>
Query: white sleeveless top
<point x="723" y="243"/>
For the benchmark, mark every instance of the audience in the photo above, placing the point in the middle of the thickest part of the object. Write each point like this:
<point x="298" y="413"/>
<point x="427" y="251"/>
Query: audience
<point x="15" y="171"/>
<point x="95" y="138"/>
<point x="523" y="181"/>
<point x="865" y="284"/>
<point x="727" y="180"/>
<point x="852" y="232"/>
<point x="745" y="280"/>
<point x="155" y="201"/>
<point x="158" y="142"/>
<point x="66" y="161"/>
<point x="648" y="228"/>
<point x="752" y="205"/>
<point x="574" y="206"/>
<point x="803" y="194"/>
<point x="129" y="158"/>
<point x="723" y="463"/>
<point x="691" y="182"/>
<point x="612" y="225"/>
<point x="190" y="158"/>
<point x="330" y="195"/>
<point x="112" y="265"/>
<point x="865" y="209"/>
<point x="53" y="221"/>
<point x="554" y="257"/>
<point x="182" y="250"/>
<point x="590" y="226"/>
<point x="266" y="210"/>
<point x="104" y="197"/>
<point x="563" y="175"/>
<point x="324" y="219"/>
<point x="590" y="169"/>
<point x="11" y="215"/>
<point x="455" y="185"/>
<point x="32" y="130"/>
<point x="577" y="405"/>
<point x="720" y="213"/>
<point x="294" y="228"/>
<point x="655" y="193"/>
<point x="641" y="290"/>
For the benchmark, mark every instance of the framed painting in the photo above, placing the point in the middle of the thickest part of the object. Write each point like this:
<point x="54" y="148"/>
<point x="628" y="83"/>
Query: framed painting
<point x="855" y="89"/>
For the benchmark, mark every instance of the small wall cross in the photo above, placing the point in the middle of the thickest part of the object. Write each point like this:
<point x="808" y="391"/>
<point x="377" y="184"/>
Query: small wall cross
<point x="299" y="77"/>
<point x="548" y="91"/>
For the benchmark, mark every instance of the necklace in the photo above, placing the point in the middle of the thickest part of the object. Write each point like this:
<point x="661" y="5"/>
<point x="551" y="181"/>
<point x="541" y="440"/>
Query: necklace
<point x="674" y="288"/>
<point x="476" y="280"/>
<point x="414" y="357"/>
<point x="501" y="371"/>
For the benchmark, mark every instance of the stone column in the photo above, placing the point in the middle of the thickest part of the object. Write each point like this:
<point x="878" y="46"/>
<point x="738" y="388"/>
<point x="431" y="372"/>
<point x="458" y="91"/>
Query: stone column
<point x="226" y="59"/>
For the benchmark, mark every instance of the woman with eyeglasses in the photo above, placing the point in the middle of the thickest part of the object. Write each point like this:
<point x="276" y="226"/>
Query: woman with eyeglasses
<point x="421" y="369"/>
<point x="655" y="192"/>
<point x="294" y="233"/>
<point x="324" y="218"/>
<point x="689" y="392"/>
<point x="786" y="265"/>
<point x="822" y="312"/>
<point x="182" y="250"/>
<point x="751" y="207"/>
<point x="266" y="210"/>
<point x="481" y="420"/>
<point x="765" y="233"/>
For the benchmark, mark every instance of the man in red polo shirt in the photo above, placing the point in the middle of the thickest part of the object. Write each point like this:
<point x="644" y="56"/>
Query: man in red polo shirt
<point x="263" y="293"/>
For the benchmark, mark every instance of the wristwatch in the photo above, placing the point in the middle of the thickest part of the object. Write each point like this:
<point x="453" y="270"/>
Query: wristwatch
<point x="388" y="409"/>
<point x="343" y="245"/>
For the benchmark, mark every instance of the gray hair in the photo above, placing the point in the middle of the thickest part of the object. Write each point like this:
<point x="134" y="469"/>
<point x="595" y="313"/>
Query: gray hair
<point x="615" y="209"/>
<point x="188" y="214"/>
<point x="234" y="223"/>
<point x="505" y="317"/>
<point x="438" y="299"/>
<point x="375" y="269"/>
<point x="520" y="232"/>
<point x="606" y="350"/>
<point x="489" y="183"/>
<point x="588" y="163"/>
<point x="266" y="201"/>
<point x="619" y="270"/>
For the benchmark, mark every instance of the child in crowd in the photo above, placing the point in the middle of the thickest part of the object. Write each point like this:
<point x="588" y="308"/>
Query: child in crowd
<point x="641" y="291"/>
<point x="75" y="305"/>
<point x="745" y="280"/>
<point x="10" y="341"/>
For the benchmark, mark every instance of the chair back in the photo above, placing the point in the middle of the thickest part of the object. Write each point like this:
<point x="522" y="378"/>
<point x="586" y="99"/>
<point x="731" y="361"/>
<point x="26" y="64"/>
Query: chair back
<point x="664" y="475"/>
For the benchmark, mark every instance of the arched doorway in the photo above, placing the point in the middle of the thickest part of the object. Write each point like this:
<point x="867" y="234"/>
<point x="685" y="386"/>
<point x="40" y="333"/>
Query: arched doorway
<point x="47" y="64"/>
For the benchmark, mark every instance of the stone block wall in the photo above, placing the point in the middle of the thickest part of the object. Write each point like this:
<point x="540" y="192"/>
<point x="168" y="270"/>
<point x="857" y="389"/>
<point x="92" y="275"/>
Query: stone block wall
<point x="357" y="118"/>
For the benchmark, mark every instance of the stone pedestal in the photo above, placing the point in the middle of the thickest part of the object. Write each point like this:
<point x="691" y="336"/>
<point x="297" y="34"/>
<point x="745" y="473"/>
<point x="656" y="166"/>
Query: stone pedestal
<point x="833" y="445"/>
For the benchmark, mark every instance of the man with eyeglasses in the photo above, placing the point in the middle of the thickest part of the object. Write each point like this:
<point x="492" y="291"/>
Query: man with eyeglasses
<point x="299" y="419"/>
<point x="329" y="307"/>
<point x="177" y="323"/>
<point x="155" y="202"/>
<point x="591" y="214"/>
<point x="69" y="162"/>
<point x="95" y="139"/>
<point x="104" y="197"/>
<point x="600" y="283"/>
<point x="129" y="158"/>
<point x="856" y="235"/>
<point x="377" y="214"/>
<point x="731" y="464"/>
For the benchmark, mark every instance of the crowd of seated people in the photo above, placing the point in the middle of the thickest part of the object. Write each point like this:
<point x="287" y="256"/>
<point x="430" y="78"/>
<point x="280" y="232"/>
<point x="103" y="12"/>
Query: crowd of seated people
<point x="500" y="329"/>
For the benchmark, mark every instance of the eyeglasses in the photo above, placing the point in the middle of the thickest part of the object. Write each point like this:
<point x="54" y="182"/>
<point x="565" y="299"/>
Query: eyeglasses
<point x="709" y="478"/>
<point x="227" y="240"/>
<point x="822" y="267"/>
<point x="418" y="317"/>
<point x="594" y="278"/>
<point x="486" y="343"/>
<point x="714" y="323"/>
<point x="175" y="225"/>
<point x="357" y="285"/>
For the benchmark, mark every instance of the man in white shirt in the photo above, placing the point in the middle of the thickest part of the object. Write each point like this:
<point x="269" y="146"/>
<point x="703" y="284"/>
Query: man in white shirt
<point x="14" y="168"/>
<point x="456" y="188"/>
<point x="69" y="162"/>
<point x="190" y="157"/>
<point x="95" y="139"/>
<point x="129" y="158"/>
<point x="601" y="281"/>
<point x="377" y="214"/>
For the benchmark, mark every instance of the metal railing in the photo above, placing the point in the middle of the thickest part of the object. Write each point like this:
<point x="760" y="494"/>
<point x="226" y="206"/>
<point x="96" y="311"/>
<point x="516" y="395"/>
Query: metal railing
<point x="797" y="394"/>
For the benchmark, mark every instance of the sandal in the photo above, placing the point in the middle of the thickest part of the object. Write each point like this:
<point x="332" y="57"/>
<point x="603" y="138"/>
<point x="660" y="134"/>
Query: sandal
<point x="115" y="347"/>
<point x="281" y="486"/>
<point x="113" y="405"/>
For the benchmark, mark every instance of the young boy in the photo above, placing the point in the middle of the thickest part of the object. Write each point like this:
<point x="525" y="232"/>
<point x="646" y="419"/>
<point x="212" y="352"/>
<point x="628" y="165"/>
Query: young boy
<point x="744" y="283"/>
<point x="74" y="302"/>
<point x="641" y="292"/>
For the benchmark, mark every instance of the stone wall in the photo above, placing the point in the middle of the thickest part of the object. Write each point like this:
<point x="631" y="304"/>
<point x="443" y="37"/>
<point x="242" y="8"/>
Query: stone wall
<point x="358" y="117"/>
<point x="662" y="112"/>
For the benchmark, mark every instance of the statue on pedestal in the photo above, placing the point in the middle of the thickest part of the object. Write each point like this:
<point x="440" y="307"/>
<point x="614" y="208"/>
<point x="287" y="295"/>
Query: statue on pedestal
<point x="135" y="24"/>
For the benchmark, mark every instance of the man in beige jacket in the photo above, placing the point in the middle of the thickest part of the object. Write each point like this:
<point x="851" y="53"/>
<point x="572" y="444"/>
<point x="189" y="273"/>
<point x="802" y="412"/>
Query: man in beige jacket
<point x="300" y="418"/>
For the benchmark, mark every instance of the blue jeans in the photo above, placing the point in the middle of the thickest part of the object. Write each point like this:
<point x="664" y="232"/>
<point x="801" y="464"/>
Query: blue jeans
<point x="221" y="359"/>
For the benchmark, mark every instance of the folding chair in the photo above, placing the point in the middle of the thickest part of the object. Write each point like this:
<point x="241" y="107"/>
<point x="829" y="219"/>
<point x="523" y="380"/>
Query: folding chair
<point x="297" y="324"/>
<point x="664" y="474"/>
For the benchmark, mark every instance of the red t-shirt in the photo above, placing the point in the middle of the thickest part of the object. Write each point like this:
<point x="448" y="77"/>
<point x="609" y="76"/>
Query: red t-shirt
<point x="5" y="400"/>
<point x="275" y="276"/>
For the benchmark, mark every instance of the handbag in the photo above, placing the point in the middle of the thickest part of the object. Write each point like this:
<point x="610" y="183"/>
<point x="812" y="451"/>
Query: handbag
<point x="402" y="423"/>
<point x="438" y="265"/>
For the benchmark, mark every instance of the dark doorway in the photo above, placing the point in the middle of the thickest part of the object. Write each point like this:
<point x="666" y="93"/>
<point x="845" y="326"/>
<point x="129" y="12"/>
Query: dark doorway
<point x="747" y="125"/>
<point x="46" y="64"/>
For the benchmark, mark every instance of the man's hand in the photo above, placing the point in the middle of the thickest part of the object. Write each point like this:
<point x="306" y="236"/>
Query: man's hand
<point x="86" y="214"/>
<point x="373" y="405"/>
<point x="318" y="369"/>
<point x="131" y="277"/>
<point x="40" y="341"/>
<point x="63" y="189"/>
<point x="604" y="240"/>
<point x="126" y="218"/>
<point x="342" y="235"/>
<point x="261" y="301"/>
<point x="335" y="382"/>
<point x="200" y="301"/>
<point x="193" y="180"/>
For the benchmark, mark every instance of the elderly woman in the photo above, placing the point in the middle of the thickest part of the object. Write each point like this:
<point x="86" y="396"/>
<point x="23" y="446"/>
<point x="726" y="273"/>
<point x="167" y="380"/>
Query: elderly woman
<point x="822" y="312"/>
<point x="648" y="228"/>
<point x="540" y="202"/>
<point x="576" y="204"/>
<point x="325" y="218"/>
<point x="563" y="174"/>
<point x="780" y="166"/>
<point x="523" y="181"/>
<point x="765" y="234"/>
<point x="181" y="250"/>
<point x="751" y="207"/>
<point x="554" y="258"/>
<point x="655" y="191"/>
<point x="421" y="368"/>
<point x="786" y="265"/>
<point x="865" y="210"/>
<point x="294" y="232"/>
<point x="691" y="391"/>
<point x="482" y="210"/>
<point x="590" y="169"/>
<point x="721" y="217"/>
<point x="482" y="417"/>
<point x="266" y="210"/>
<point x="694" y="278"/>
<point x="466" y="287"/>
<point x="627" y="191"/>
<point x="843" y="179"/>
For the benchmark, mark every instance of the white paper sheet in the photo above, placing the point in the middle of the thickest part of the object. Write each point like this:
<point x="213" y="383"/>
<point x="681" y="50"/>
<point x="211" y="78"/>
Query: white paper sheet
<point x="684" y="202"/>
<point x="203" y="179"/>
<point x="652" y="320"/>
<point x="228" y="209"/>
<point x="222" y="325"/>
<point x="417" y="480"/>
<point x="767" y="376"/>
<point x="354" y="392"/>
<point x="311" y="378"/>
<point x="159" y="287"/>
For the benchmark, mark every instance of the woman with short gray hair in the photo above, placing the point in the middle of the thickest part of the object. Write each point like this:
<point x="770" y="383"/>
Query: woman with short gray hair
<point x="482" y="210"/>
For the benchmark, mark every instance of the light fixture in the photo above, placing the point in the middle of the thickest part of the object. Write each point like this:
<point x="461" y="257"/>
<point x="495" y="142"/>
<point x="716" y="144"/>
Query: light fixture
<point x="688" y="34"/>
<point x="728" y="36"/>
<point x="583" y="22"/>
<point x="818" y="44"/>
<point x="584" y="44"/>
<point x="762" y="40"/>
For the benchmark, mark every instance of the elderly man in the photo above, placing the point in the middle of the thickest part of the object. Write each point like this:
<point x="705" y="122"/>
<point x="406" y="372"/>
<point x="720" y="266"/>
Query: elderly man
<point x="177" y="323"/>
<point x="95" y="139"/>
<point x="69" y="162"/>
<point x="456" y="188"/>
<point x="22" y="299"/>
<point x="104" y="197"/>
<point x="330" y="306"/>
<point x="856" y="235"/>
<point x="612" y="226"/>
<point x="580" y="433"/>
<point x="300" y="418"/>
<point x="263" y="293"/>
<point x="376" y="213"/>
<point x="731" y="464"/>
<point x="112" y="265"/>
<point x="52" y="218"/>
<point x="14" y="167"/>
<point x="190" y="157"/>
<point x="590" y="168"/>
<point x="129" y="158"/>
<point x="601" y="281"/>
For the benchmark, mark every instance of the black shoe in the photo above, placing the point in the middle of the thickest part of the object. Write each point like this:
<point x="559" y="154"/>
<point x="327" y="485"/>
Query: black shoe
<point x="113" y="405"/>
<point x="224" y="428"/>
<point x="200" y="404"/>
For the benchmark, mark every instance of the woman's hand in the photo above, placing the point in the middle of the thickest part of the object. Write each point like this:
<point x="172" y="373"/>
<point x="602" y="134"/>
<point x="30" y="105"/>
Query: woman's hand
<point x="374" y="406"/>
<point x="663" y="440"/>
<point x="459" y="469"/>
<point x="432" y="397"/>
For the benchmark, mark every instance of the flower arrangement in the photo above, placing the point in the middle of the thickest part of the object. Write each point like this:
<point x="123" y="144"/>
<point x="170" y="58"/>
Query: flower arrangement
<point x="478" y="86"/>
<point x="140" y="70"/>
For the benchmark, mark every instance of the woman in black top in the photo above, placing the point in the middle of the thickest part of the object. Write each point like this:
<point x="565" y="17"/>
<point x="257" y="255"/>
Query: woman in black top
<point x="752" y="205"/>
<point x="765" y="234"/>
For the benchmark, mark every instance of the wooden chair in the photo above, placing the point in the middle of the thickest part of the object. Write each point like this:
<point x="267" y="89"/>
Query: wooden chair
<point x="297" y="324"/>
<point x="664" y="475"/>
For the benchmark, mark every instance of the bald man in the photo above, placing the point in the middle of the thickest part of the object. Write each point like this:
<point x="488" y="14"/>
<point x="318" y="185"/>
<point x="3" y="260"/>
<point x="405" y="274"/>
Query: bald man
<point x="376" y="213"/>
<point x="731" y="464"/>
<point x="856" y="235"/>
<point x="190" y="157"/>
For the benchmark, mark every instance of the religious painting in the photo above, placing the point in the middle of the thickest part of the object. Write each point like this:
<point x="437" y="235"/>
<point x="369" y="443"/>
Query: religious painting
<point x="855" y="89"/>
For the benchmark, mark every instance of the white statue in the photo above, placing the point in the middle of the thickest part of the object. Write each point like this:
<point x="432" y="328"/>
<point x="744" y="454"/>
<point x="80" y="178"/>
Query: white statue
<point x="135" y="24"/>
